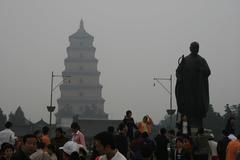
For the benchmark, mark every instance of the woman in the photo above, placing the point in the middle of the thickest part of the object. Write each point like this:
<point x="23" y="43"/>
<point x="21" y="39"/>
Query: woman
<point x="6" y="151"/>
<point x="184" y="127"/>
<point x="180" y="152"/>
<point x="145" y="125"/>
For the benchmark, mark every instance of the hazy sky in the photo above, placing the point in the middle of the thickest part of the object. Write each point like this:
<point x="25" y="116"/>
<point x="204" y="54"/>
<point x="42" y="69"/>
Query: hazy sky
<point x="135" y="41"/>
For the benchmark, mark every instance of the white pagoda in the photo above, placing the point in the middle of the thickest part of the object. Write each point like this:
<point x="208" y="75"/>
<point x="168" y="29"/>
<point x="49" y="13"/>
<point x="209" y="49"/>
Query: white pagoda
<point x="81" y="92"/>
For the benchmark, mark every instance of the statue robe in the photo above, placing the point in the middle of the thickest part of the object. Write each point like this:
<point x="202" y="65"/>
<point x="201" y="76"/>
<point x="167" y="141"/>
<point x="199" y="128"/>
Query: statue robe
<point x="192" y="91"/>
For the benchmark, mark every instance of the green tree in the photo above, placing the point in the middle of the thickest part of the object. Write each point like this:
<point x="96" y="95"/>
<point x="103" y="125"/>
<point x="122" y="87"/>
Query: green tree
<point x="214" y="121"/>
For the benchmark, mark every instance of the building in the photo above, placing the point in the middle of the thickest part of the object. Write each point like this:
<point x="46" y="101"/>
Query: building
<point x="81" y="92"/>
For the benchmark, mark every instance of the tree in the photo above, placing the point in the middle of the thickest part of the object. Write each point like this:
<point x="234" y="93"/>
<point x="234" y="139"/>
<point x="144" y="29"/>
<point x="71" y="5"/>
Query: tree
<point x="214" y="121"/>
<point x="18" y="117"/>
<point x="3" y="119"/>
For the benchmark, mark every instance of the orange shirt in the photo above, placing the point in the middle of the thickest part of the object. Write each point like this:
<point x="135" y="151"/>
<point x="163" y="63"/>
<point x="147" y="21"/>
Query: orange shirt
<point x="146" y="127"/>
<point x="232" y="149"/>
<point x="46" y="140"/>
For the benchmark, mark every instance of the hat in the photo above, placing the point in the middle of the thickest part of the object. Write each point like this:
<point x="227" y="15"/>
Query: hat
<point x="232" y="137"/>
<point x="70" y="147"/>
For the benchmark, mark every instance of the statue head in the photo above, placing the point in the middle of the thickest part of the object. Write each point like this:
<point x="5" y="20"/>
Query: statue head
<point x="194" y="48"/>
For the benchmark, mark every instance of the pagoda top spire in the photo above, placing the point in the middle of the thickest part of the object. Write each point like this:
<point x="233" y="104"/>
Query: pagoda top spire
<point x="81" y="29"/>
<point x="81" y="32"/>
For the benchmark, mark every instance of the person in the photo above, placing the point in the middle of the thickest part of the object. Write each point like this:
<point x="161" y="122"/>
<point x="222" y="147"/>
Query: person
<point x="180" y="152"/>
<point x="233" y="148"/>
<point x="77" y="135"/>
<point x="71" y="150"/>
<point x="28" y="147"/>
<point x="111" y="130"/>
<point x="222" y="145"/>
<point x="121" y="139"/>
<point x="147" y="148"/>
<point x="145" y="125"/>
<point x="7" y="151"/>
<point x="201" y="148"/>
<point x="191" y="90"/>
<point x="105" y="145"/>
<point x="45" y="137"/>
<point x="187" y="146"/>
<point x="38" y="135"/>
<point x="58" y="141"/>
<point x="213" y="146"/>
<point x="129" y="121"/>
<point x="40" y="154"/>
<point x="7" y="135"/>
<point x="184" y="127"/>
<point x="162" y="141"/>
<point x="230" y="125"/>
<point x="135" y="146"/>
<point x="172" y="143"/>
<point x="52" y="152"/>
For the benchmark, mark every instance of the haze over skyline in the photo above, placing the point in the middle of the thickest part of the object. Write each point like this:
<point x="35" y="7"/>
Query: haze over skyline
<point x="135" y="41"/>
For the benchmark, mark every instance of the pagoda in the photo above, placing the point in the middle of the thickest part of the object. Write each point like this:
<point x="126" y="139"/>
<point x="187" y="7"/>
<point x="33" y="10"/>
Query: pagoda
<point x="81" y="92"/>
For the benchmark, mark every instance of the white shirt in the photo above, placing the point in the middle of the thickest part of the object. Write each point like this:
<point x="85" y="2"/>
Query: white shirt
<point x="184" y="129"/>
<point x="213" y="147"/>
<point x="7" y="136"/>
<point x="117" y="156"/>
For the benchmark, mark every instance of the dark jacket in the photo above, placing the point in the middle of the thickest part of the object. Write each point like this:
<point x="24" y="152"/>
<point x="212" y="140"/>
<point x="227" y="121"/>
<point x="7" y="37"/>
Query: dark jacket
<point x="59" y="142"/>
<point x="130" y="124"/>
<point x="121" y="143"/>
<point x="222" y="147"/>
<point x="161" y="151"/>
<point x="20" y="155"/>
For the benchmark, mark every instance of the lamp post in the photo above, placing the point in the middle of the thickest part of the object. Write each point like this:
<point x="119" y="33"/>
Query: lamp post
<point x="169" y="111"/>
<point x="51" y="108"/>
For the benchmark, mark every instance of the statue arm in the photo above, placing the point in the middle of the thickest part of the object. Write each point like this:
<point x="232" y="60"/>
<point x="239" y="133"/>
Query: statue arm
<point x="204" y="69"/>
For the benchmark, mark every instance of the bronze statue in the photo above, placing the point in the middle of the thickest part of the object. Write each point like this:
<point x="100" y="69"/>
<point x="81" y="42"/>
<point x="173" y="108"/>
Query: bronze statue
<point x="192" y="92"/>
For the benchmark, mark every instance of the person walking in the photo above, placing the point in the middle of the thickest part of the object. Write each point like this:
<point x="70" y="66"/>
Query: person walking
<point x="77" y="135"/>
<point x="7" y="135"/>
<point x="129" y="121"/>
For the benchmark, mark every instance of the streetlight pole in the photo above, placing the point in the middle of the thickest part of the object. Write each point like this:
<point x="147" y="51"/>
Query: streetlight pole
<point x="51" y="108"/>
<point x="169" y="111"/>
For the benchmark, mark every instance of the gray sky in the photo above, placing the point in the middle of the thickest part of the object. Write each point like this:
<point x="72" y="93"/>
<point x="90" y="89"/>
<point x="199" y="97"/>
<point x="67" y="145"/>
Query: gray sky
<point x="135" y="41"/>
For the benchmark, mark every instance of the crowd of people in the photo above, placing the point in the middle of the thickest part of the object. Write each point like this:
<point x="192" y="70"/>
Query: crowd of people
<point x="39" y="145"/>
<point x="130" y="140"/>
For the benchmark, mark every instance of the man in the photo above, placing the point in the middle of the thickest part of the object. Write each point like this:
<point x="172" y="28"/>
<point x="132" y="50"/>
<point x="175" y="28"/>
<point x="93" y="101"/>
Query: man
<point x="121" y="139"/>
<point x="192" y="93"/>
<point x="45" y="137"/>
<point x="28" y="147"/>
<point x="222" y="145"/>
<point x="129" y="121"/>
<point x="7" y="135"/>
<point x="105" y="145"/>
<point x="162" y="141"/>
<point x="77" y="136"/>
<point x="201" y="148"/>
<point x="40" y="154"/>
<point x="59" y="141"/>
